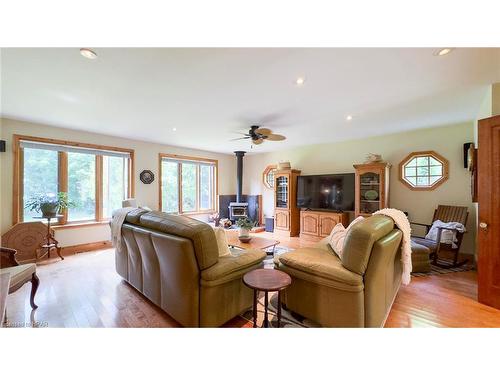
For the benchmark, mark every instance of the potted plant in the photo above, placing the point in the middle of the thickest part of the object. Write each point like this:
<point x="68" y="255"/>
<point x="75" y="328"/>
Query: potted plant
<point x="245" y="226"/>
<point x="49" y="204"/>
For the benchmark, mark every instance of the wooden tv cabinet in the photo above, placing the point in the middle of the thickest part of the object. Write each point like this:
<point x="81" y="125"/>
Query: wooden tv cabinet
<point x="315" y="225"/>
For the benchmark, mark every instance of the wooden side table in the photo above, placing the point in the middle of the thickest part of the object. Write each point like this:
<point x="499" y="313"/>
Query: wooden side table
<point x="50" y="241"/>
<point x="266" y="280"/>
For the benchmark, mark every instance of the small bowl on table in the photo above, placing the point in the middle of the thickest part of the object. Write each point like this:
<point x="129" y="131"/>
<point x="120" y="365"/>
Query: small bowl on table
<point x="244" y="239"/>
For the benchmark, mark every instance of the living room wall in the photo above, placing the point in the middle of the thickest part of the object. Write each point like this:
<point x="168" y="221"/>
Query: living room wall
<point x="146" y="157"/>
<point x="340" y="157"/>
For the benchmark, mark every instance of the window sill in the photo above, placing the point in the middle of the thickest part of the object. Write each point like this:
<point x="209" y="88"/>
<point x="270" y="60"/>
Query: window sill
<point x="79" y="225"/>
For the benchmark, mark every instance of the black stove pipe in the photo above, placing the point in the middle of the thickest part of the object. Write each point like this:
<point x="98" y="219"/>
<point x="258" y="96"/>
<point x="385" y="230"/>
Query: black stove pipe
<point x="239" y="174"/>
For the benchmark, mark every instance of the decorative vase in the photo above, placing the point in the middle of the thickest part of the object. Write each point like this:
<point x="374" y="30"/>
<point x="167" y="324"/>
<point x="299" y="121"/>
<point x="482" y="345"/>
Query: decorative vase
<point x="244" y="232"/>
<point x="48" y="209"/>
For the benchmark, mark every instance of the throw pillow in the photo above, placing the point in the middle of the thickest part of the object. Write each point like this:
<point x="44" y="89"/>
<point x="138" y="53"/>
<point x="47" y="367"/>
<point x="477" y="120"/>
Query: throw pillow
<point x="338" y="235"/>
<point x="220" y="236"/>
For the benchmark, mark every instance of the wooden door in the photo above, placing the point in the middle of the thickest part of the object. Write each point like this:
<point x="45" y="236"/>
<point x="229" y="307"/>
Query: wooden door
<point x="282" y="219"/>
<point x="309" y="223"/>
<point x="326" y="224"/>
<point x="488" y="232"/>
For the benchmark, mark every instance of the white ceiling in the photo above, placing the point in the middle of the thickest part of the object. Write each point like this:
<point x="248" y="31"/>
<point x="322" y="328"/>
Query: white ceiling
<point x="209" y="95"/>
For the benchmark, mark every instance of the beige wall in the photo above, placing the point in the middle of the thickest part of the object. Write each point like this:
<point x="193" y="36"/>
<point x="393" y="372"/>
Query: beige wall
<point x="496" y="99"/>
<point x="339" y="158"/>
<point x="146" y="157"/>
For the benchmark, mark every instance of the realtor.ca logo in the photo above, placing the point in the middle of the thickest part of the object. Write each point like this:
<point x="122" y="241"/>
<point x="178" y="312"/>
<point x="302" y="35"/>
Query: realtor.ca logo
<point x="14" y="324"/>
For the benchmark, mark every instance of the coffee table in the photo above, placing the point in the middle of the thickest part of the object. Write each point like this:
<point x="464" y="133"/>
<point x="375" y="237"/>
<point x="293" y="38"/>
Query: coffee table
<point x="266" y="280"/>
<point x="258" y="243"/>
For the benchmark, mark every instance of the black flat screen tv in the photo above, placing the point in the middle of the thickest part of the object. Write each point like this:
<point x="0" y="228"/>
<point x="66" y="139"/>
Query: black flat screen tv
<point x="333" y="192"/>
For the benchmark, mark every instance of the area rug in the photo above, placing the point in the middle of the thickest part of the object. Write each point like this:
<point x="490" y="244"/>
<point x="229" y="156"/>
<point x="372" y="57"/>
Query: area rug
<point x="435" y="270"/>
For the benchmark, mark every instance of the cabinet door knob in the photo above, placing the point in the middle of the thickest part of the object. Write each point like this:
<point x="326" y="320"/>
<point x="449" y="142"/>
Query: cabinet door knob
<point x="483" y="225"/>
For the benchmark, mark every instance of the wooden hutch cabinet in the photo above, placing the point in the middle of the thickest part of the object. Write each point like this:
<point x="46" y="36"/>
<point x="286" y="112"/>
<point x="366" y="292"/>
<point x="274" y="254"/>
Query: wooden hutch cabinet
<point x="318" y="224"/>
<point x="372" y="188"/>
<point x="286" y="212"/>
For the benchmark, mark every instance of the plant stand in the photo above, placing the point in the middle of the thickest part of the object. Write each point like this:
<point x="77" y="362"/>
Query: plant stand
<point x="50" y="241"/>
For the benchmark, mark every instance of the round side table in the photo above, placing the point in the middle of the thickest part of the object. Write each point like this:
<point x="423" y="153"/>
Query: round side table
<point x="266" y="280"/>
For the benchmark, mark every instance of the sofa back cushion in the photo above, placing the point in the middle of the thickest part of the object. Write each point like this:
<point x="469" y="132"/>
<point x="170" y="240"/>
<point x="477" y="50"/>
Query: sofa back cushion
<point x="201" y="234"/>
<point x="360" y="239"/>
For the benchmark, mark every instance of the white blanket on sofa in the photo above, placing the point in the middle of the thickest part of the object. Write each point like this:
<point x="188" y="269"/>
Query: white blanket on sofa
<point x="403" y="224"/>
<point x="119" y="216"/>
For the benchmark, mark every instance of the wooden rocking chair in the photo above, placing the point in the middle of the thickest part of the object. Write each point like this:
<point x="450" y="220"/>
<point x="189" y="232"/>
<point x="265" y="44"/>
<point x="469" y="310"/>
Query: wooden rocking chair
<point x="446" y="214"/>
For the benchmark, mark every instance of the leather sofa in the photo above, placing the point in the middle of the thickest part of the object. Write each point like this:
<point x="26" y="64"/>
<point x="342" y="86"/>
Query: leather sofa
<point x="356" y="290"/>
<point x="174" y="262"/>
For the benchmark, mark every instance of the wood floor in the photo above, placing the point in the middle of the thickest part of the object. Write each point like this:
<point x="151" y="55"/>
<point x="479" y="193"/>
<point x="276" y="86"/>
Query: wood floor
<point x="85" y="291"/>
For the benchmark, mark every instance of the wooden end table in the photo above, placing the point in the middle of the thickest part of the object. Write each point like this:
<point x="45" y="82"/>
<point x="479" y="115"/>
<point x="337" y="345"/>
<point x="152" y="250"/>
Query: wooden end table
<point x="50" y="241"/>
<point x="266" y="280"/>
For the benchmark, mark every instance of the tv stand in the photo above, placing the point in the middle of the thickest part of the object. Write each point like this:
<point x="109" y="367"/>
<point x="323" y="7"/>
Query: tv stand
<point x="315" y="225"/>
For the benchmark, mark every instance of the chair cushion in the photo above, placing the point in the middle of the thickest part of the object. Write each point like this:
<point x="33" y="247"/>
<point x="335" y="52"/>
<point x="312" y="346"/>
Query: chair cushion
<point x="320" y="262"/>
<point x="19" y="274"/>
<point x="431" y="245"/>
<point x="233" y="265"/>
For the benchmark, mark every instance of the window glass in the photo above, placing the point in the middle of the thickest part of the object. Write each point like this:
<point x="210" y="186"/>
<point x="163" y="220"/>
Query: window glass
<point x="170" y="186"/>
<point x="40" y="176"/>
<point x="114" y="183"/>
<point x="423" y="171"/>
<point x="81" y="186"/>
<point x="206" y="186"/>
<point x="188" y="187"/>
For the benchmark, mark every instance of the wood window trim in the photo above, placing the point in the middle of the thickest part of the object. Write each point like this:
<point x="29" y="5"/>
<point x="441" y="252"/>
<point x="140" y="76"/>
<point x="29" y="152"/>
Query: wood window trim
<point x="18" y="176"/>
<point x="442" y="159"/>
<point x="197" y="160"/>
<point x="268" y="169"/>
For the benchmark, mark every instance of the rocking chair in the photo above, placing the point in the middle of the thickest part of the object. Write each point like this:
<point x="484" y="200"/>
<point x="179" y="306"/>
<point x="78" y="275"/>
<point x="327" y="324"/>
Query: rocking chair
<point x="446" y="214"/>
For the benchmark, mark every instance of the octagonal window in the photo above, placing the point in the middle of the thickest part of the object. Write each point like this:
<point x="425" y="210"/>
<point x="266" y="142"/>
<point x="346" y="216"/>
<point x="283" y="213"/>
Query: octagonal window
<point x="424" y="170"/>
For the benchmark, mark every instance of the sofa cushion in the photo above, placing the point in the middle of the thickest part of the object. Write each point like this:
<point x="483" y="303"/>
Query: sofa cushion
<point x="134" y="216"/>
<point x="360" y="239"/>
<point x="320" y="262"/>
<point x="220" y="235"/>
<point x="231" y="266"/>
<point x="19" y="274"/>
<point x="201" y="234"/>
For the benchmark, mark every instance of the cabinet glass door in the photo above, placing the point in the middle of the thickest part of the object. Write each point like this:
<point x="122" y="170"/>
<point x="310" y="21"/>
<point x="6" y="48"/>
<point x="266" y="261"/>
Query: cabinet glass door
<point x="369" y="192"/>
<point x="282" y="192"/>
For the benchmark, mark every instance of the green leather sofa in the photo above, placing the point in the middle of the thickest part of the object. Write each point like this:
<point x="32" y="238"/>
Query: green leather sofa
<point x="174" y="262"/>
<point x="356" y="290"/>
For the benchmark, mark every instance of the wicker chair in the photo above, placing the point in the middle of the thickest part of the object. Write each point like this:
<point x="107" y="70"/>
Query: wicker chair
<point x="19" y="274"/>
<point x="445" y="214"/>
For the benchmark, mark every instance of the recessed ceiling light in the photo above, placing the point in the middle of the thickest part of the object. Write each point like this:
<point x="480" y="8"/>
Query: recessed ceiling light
<point x="348" y="117"/>
<point x="300" y="81"/>
<point x="174" y="129"/>
<point x="88" y="53"/>
<point x="443" y="51"/>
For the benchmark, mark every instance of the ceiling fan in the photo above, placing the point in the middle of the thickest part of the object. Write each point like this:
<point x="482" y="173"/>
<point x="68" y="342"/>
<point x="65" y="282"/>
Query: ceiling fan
<point x="259" y="135"/>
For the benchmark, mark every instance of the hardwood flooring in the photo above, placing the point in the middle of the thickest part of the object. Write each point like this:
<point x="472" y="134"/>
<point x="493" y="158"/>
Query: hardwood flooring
<point x="85" y="291"/>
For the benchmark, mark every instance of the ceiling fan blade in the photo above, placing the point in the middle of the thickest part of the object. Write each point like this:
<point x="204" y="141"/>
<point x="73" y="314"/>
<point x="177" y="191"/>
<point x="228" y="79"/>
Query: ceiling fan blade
<point x="263" y="131"/>
<point x="237" y="139"/>
<point x="258" y="141"/>
<point x="275" y="137"/>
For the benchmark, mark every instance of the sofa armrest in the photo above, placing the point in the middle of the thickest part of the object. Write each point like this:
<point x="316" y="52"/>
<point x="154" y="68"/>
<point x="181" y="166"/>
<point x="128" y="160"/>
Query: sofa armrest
<point x="232" y="266"/>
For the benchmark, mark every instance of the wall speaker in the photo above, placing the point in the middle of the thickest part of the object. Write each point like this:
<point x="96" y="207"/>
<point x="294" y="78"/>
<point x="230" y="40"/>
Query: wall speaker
<point x="466" y="151"/>
<point x="2" y="146"/>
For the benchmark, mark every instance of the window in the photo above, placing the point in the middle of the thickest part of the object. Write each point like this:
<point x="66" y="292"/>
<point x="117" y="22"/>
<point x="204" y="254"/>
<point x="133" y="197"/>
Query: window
<point x="187" y="185"/>
<point x="268" y="176"/>
<point x="96" y="178"/>
<point x="424" y="170"/>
